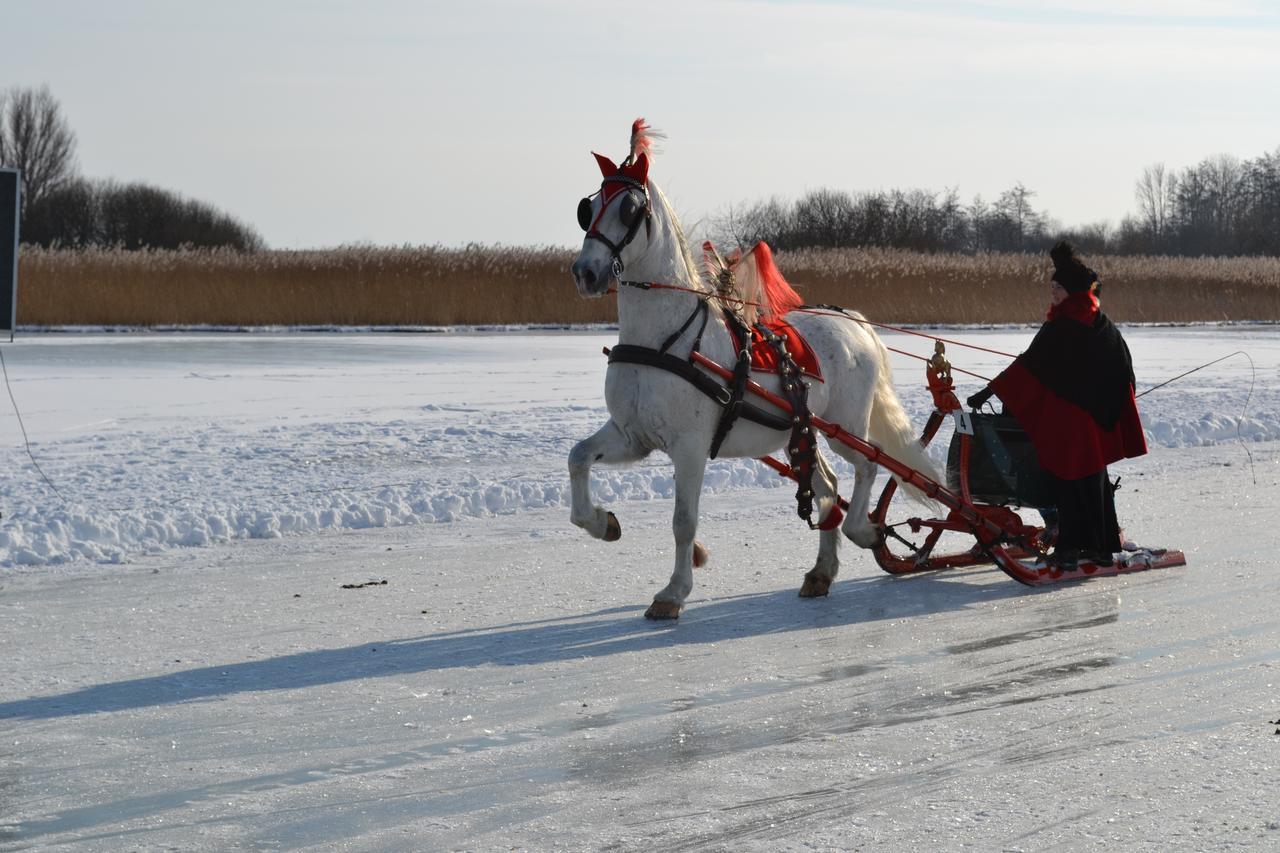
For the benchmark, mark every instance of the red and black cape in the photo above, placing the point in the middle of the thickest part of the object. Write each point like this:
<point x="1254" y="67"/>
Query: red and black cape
<point x="1072" y="391"/>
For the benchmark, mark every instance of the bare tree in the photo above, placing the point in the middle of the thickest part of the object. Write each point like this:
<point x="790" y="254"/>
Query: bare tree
<point x="823" y="217"/>
<point x="1022" y="224"/>
<point x="979" y="214"/>
<point x="1154" y="193"/>
<point x="36" y="138"/>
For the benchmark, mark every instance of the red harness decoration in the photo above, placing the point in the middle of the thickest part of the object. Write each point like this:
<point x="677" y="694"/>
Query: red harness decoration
<point x="763" y="357"/>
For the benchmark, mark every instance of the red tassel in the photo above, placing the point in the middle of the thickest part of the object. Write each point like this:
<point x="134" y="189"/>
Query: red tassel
<point x="833" y="519"/>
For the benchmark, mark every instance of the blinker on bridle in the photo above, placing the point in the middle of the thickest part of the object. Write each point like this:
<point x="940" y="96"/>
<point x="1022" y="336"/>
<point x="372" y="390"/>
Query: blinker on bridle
<point x="633" y="210"/>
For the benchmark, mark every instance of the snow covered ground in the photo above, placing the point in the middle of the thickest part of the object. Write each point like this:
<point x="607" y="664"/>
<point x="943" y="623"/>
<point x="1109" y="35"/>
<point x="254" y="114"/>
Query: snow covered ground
<point x="194" y="664"/>
<point x="160" y="441"/>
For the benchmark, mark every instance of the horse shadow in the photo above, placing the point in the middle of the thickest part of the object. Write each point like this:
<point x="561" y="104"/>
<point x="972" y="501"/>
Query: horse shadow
<point x="598" y="634"/>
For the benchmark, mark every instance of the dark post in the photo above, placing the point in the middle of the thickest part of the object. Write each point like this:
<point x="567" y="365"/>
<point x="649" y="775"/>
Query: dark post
<point x="10" y="189"/>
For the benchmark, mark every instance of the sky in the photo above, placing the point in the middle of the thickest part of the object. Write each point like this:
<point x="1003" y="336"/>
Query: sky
<point x="393" y="122"/>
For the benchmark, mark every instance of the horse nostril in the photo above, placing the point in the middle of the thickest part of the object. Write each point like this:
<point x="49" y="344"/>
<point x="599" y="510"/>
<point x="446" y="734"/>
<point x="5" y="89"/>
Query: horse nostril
<point x="587" y="277"/>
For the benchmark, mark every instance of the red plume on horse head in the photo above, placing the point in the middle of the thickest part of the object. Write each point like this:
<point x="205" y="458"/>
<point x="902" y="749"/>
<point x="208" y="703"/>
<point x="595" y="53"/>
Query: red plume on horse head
<point x="636" y="164"/>
<point x="643" y="137"/>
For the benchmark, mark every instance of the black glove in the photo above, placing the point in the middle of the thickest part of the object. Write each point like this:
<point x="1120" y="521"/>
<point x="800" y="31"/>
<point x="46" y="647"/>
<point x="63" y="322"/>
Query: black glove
<point x="976" y="401"/>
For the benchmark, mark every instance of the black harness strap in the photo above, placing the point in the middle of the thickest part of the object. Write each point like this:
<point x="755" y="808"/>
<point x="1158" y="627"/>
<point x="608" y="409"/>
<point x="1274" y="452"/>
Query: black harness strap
<point x="631" y="354"/>
<point x="738" y="386"/>
<point x="825" y="307"/>
<point x="700" y="309"/>
<point x="802" y="451"/>
<point x="730" y="397"/>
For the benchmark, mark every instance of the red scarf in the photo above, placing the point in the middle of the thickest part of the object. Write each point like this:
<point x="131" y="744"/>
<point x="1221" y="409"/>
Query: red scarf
<point x="1083" y="307"/>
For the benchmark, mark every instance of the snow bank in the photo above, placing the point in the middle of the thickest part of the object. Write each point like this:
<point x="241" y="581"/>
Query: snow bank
<point x="268" y="503"/>
<point x="149" y="457"/>
<point x="51" y="534"/>
<point x="1213" y="428"/>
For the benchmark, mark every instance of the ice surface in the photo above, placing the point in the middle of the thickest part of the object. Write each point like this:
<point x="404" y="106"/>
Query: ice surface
<point x="502" y="689"/>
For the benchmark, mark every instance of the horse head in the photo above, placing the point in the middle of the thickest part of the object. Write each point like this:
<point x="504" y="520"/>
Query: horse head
<point x="617" y="218"/>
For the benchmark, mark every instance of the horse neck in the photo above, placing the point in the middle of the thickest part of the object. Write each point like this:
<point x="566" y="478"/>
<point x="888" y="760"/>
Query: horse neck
<point x="648" y="317"/>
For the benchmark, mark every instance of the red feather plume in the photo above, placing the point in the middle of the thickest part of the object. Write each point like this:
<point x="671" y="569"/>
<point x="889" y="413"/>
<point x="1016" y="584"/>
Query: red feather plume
<point x="642" y="139"/>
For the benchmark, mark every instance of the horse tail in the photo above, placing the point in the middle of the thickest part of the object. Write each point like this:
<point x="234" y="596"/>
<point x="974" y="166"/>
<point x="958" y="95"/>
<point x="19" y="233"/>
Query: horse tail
<point x="890" y="428"/>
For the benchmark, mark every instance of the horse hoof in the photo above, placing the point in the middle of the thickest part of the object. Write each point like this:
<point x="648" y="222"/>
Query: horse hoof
<point x="612" y="529"/>
<point x="663" y="610"/>
<point x="815" y="586"/>
<point x="700" y="554"/>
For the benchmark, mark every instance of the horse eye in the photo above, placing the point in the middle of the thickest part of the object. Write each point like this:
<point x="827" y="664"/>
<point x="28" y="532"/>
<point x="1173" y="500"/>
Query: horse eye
<point x="630" y="208"/>
<point x="584" y="214"/>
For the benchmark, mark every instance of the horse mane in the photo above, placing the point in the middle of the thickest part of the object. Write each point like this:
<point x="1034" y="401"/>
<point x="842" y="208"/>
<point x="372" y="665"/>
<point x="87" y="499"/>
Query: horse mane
<point x="665" y="212"/>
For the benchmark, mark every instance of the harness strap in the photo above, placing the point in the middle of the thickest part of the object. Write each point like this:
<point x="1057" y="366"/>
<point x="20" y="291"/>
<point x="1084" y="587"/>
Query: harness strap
<point x="738" y="385"/>
<point x="631" y="354"/>
<point x="802" y="450"/>
<point x="700" y="308"/>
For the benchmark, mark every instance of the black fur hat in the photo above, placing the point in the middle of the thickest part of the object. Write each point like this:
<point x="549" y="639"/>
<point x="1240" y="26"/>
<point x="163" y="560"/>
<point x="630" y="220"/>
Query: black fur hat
<point x="1069" y="271"/>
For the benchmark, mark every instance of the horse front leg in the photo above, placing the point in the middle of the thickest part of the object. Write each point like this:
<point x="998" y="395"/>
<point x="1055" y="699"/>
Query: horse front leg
<point x="691" y="465"/>
<point x="609" y="445"/>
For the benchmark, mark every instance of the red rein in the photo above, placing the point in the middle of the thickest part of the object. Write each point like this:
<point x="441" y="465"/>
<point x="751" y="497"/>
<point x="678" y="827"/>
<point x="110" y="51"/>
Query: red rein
<point x="654" y="285"/>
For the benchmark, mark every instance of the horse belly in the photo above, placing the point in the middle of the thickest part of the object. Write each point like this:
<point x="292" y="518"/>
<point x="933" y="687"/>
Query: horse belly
<point x="751" y="439"/>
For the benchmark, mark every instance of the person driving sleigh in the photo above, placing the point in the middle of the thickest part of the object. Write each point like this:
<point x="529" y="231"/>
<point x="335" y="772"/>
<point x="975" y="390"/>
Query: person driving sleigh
<point x="1072" y="391"/>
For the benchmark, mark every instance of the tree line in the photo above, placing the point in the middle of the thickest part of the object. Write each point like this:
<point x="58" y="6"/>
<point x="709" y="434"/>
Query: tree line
<point x="1222" y="206"/>
<point x="59" y="207"/>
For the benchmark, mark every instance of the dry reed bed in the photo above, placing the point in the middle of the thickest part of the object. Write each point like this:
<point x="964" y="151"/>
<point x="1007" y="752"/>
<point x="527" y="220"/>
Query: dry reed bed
<point x="433" y="286"/>
<point x="913" y="287"/>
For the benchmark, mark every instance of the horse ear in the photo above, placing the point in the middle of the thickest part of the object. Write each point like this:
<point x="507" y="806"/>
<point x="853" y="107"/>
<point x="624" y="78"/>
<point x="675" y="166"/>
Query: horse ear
<point x="639" y="169"/>
<point x="607" y="167"/>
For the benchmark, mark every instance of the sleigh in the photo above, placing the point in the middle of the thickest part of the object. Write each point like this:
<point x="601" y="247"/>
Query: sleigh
<point x="684" y="378"/>
<point x="992" y="479"/>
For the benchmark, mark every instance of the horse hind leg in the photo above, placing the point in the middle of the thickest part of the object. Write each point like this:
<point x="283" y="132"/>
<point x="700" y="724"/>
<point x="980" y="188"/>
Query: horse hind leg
<point x="608" y="445"/>
<point x="817" y="581"/>
<point x="857" y="523"/>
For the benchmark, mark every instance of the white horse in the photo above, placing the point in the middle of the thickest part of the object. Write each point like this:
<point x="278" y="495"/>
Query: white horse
<point x="633" y="237"/>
